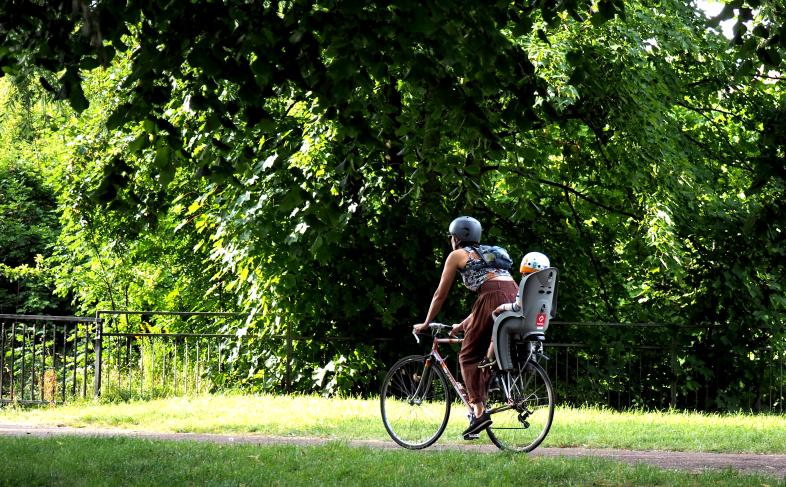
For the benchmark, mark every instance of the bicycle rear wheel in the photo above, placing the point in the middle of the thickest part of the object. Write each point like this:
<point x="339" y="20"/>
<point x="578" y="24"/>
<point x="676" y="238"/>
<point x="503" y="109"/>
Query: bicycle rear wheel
<point x="415" y="402"/>
<point x="522" y="421"/>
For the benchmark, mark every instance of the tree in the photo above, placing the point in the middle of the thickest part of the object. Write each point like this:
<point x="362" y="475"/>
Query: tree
<point x="28" y="216"/>
<point x="217" y="89"/>
<point x="312" y="154"/>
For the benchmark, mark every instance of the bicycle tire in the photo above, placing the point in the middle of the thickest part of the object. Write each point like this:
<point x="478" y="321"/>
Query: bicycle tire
<point x="415" y="422"/>
<point x="522" y="426"/>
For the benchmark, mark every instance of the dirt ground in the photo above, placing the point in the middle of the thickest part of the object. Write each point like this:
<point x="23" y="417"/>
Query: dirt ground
<point x="773" y="465"/>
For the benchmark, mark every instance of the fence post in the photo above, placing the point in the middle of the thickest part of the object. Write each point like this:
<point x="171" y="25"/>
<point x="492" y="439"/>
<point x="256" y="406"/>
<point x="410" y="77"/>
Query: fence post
<point x="780" y="399"/>
<point x="2" y="357"/>
<point x="288" y="372"/>
<point x="673" y="355"/>
<point x="97" y="346"/>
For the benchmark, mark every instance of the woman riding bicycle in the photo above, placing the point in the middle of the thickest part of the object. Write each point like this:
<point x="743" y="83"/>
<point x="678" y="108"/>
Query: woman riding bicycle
<point x="495" y="286"/>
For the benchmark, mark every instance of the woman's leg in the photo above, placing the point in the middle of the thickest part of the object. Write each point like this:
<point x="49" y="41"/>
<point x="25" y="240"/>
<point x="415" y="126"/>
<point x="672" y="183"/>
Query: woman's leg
<point x="473" y="350"/>
<point x="477" y="338"/>
<point x="476" y="382"/>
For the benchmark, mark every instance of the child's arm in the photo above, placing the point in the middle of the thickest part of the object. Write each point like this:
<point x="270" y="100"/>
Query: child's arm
<point x="506" y="307"/>
<point x="459" y="328"/>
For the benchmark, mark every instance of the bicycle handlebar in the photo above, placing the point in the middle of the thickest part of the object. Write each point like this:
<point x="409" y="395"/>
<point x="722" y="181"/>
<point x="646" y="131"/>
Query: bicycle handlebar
<point x="435" y="328"/>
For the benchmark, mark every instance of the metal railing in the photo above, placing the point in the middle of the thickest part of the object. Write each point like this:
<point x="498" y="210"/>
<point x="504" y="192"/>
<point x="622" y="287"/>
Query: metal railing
<point x="650" y="370"/>
<point x="45" y="359"/>
<point x="135" y="360"/>
<point x="52" y="359"/>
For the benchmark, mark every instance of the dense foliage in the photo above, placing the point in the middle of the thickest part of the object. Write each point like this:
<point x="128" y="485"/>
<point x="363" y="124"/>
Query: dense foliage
<point x="28" y="218"/>
<point x="28" y="226"/>
<point x="301" y="160"/>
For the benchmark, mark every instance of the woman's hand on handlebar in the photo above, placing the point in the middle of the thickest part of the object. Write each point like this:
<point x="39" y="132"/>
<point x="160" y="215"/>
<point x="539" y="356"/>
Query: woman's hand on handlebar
<point x="420" y="328"/>
<point x="433" y="328"/>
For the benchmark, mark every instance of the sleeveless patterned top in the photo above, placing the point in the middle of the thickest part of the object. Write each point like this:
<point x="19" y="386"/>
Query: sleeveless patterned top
<point x="476" y="272"/>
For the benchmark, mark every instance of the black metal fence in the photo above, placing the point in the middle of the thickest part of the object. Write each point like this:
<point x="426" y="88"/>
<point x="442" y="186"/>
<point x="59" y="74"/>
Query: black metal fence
<point x="136" y="360"/>
<point x="651" y="365"/>
<point x="45" y="359"/>
<point x="125" y="354"/>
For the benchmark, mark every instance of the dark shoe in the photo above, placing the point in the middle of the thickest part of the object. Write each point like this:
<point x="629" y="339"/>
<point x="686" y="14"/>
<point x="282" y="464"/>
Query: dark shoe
<point x="494" y="382"/>
<point x="478" y="424"/>
<point x="486" y="363"/>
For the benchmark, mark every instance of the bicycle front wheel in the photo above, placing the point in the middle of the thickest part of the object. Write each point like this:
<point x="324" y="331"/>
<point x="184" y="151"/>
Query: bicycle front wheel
<point x="415" y="402"/>
<point x="522" y="420"/>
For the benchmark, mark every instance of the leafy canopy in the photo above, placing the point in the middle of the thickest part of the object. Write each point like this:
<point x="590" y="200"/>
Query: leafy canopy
<point x="307" y="156"/>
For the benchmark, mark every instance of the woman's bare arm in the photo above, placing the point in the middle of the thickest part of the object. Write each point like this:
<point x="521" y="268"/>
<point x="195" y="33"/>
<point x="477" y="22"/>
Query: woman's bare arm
<point x="452" y="265"/>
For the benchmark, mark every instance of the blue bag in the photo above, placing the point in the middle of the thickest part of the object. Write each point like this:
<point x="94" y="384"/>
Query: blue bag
<point x="495" y="256"/>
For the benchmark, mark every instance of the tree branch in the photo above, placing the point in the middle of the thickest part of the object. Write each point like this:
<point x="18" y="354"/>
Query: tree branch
<point x="767" y="76"/>
<point x="708" y="149"/>
<point x="567" y="188"/>
<point x="705" y="109"/>
<point x="714" y="124"/>
<point x="588" y="199"/>
<point x="591" y="254"/>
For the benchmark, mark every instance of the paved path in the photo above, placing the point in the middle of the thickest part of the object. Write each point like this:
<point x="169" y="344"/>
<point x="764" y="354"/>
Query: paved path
<point x="773" y="465"/>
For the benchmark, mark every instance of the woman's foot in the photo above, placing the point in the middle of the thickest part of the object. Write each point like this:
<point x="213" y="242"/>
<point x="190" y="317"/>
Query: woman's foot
<point x="478" y="424"/>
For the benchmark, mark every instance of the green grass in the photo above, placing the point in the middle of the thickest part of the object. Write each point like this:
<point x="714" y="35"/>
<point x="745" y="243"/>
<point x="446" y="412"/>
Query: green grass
<point x="75" y="461"/>
<point x="348" y="418"/>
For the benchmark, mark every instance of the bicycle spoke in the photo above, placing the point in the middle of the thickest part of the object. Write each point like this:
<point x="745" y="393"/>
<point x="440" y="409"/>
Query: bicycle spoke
<point x="403" y="384"/>
<point x="414" y="403"/>
<point x="524" y="423"/>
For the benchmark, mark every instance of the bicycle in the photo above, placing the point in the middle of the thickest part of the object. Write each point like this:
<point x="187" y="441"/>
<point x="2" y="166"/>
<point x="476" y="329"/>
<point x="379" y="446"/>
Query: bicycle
<point x="416" y="397"/>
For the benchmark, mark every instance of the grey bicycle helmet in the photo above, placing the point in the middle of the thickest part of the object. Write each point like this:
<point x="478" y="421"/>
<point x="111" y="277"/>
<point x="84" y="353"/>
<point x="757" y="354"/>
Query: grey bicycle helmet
<point x="465" y="229"/>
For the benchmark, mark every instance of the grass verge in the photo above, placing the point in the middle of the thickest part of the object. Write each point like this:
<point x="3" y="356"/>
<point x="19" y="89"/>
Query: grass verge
<point x="76" y="461"/>
<point x="360" y="419"/>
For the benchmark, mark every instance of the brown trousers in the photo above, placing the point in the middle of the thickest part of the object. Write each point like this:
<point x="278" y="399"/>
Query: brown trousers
<point x="477" y="336"/>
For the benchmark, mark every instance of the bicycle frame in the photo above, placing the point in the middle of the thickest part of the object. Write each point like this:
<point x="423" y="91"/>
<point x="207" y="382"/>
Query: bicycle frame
<point x="535" y="352"/>
<point x="435" y="356"/>
<point x="534" y="355"/>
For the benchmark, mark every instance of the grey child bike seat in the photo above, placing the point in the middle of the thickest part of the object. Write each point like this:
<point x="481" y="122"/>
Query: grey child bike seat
<point x="537" y="304"/>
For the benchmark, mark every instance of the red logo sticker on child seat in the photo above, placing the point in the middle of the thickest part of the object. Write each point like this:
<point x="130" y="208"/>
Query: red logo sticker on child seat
<point x="540" y="321"/>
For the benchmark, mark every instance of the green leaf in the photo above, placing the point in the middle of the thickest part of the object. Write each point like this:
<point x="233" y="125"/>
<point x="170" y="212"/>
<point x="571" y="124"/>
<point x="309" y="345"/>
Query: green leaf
<point x="472" y="169"/>
<point x="769" y="56"/>
<point x="166" y="175"/>
<point x="291" y="200"/>
<point x="597" y="19"/>
<point x="140" y="142"/>
<point x="606" y="9"/>
<point x="342" y="68"/>
<point x="163" y="157"/>
<point x="574" y="57"/>
<point x="543" y="37"/>
<point x="422" y="22"/>
<point x="89" y="63"/>
<point x="522" y="27"/>
<point x="761" y="31"/>
<point x="118" y="117"/>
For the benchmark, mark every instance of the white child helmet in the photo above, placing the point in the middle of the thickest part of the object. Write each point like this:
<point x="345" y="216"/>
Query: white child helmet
<point x="533" y="262"/>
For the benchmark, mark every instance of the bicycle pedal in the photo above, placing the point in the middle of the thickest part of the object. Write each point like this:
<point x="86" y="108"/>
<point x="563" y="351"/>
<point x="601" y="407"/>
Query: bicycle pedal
<point x="472" y="436"/>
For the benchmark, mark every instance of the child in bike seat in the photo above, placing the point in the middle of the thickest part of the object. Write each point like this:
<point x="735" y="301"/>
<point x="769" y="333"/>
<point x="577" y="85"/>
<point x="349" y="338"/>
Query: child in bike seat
<point x="489" y="275"/>
<point x="532" y="262"/>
